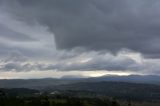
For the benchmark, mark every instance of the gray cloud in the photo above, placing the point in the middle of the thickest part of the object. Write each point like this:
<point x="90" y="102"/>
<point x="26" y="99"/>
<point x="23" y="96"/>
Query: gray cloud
<point x="124" y="61"/>
<point x="90" y="61"/>
<point x="7" y="33"/>
<point x="96" y="25"/>
<point x="88" y="35"/>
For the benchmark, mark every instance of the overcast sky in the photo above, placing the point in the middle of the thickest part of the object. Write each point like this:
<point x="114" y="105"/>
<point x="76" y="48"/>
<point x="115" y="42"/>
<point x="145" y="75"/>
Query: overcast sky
<point x="85" y="38"/>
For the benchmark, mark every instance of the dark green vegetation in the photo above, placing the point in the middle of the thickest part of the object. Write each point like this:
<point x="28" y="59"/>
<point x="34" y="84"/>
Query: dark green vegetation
<point x="61" y="100"/>
<point x="57" y="101"/>
<point x="121" y="90"/>
<point x="17" y="92"/>
<point x="100" y="93"/>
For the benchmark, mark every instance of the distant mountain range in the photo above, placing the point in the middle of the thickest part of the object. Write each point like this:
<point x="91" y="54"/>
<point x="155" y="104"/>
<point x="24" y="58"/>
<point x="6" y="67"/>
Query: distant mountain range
<point x="42" y="83"/>
<point x="148" y="79"/>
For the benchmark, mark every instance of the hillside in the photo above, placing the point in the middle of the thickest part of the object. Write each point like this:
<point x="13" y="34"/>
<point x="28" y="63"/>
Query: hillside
<point x="114" y="89"/>
<point x="42" y="83"/>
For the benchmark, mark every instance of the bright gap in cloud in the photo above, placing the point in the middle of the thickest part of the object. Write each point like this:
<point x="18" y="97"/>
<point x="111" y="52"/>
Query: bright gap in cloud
<point x="57" y="74"/>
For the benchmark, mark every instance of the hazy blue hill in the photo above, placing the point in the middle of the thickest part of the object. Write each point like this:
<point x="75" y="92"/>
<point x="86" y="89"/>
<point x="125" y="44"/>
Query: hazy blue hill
<point x="33" y="83"/>
<point x="42" y="83"/>
<point x="149" y="79"/>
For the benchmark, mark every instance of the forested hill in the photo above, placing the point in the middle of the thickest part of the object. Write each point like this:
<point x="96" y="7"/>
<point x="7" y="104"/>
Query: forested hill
<point x="115" y="89"/>
<point x="17" y="92"/>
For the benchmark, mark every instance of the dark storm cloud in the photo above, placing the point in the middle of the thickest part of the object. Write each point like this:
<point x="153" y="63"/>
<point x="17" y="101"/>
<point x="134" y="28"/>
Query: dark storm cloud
<point x="90" y="35"/>
<point x="96" y="24"/>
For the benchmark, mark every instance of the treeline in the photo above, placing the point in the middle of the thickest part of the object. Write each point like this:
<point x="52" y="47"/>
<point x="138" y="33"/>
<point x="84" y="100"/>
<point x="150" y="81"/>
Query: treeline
<point x="57" y="101"/>
<point x="120" y="90"/>
<point x="17" y="92"/>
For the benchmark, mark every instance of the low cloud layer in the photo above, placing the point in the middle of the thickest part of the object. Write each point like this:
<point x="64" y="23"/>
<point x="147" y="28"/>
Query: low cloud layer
<point x="81" y="35"/>
<point x="124" y="61"/>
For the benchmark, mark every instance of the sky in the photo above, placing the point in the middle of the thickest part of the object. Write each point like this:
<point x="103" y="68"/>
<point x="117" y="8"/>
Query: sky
<point x="79" y="38"/>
